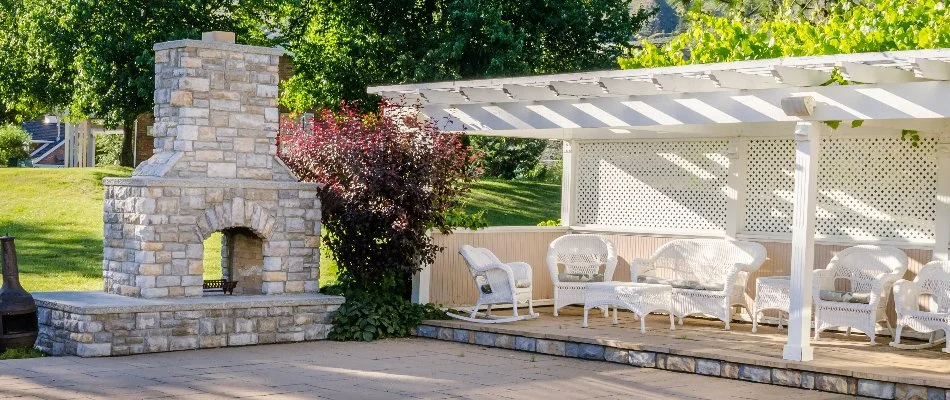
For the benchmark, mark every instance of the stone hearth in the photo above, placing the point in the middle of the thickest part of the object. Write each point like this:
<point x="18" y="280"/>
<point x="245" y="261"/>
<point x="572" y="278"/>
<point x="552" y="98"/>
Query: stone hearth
<point x="214" y="169"/>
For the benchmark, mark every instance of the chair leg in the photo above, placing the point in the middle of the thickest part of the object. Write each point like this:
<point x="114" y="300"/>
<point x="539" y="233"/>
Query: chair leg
<point x="530" y="307"/>
<point x="514" y="307"/>
<point x="606" y="311"/>
<point x="847" y="332"/>
<point x="585" y="317"/>
<point x="643" y="325"/>
<point x="755" y="321"/>
<point x="488" y="311"/>
<point x="475" y="310"/>
<point x="897" y="334"/>
<point x="672" y="323"/>
<point x="616" y="321"/>
<point x="681" y="320"/>
<point x="555" y="302"/>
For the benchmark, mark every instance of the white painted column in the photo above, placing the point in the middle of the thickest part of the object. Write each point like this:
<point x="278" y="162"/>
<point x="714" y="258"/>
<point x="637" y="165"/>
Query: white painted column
<point x="421" y="282"/>
<point x="807" y="152"/>
<point x="568" y="183"/>
<point x="736" y="188"/>
<point x="942" y="216"/>
<point x="68" y="146"/>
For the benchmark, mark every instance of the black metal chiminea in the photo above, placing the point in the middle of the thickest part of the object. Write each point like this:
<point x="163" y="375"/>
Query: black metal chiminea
<point x="18" y="327"/>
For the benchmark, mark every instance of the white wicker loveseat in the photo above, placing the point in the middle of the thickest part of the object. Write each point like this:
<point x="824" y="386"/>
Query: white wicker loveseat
<point x="708" y="276"/>
<point x="932" y="281"/>
<point x="585" y="259"/>
<point x="869" y="272"/>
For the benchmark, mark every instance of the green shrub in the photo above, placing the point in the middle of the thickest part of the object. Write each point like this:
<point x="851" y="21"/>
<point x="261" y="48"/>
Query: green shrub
<point x="550" y="222"/>
<point x="14" y="143"/>
<point x="21" y="352"/>
<point x="108" y="150"/>
<point x="371" y="315"/>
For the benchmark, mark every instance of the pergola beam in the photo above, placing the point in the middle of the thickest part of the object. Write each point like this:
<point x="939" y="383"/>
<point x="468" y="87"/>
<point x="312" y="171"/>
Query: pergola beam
<point x="911" y="100"/>
<point x="872" y="74"/>
<point x="934" y="69"/>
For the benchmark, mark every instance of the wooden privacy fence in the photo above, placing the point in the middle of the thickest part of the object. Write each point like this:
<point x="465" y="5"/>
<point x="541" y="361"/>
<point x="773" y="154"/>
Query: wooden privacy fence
<point x="450" y="282"/>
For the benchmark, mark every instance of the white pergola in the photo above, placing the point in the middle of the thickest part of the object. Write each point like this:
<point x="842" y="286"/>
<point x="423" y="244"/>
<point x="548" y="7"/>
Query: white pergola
<point x="907" y="90"/>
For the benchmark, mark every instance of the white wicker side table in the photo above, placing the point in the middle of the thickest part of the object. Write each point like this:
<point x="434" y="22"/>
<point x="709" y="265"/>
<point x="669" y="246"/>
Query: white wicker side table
<point x="640" y="298"/>
<point x="771" y="293"/>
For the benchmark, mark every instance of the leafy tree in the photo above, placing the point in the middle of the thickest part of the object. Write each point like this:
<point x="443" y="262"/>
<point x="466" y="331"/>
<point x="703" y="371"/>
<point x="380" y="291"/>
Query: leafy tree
<point x="388" y="180"/>
<point x="14" y="142"/>
<point x="94" y="58"/>
<point x="506" y="157"/>
<point x="348" y="45"/>
<point x="881" y="25"/>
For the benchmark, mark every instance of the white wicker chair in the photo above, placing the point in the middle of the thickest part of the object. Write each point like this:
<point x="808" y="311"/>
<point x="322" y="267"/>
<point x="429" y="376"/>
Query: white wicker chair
<point x="581" y="256"/>
<point x="497" y="283"/>
<point x="868" y="271"/>
<point x="708" y="275"/>
<point x="933" y="280"/>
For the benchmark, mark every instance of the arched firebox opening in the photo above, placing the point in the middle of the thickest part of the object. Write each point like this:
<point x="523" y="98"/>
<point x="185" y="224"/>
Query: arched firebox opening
<point x="240" y="259"/>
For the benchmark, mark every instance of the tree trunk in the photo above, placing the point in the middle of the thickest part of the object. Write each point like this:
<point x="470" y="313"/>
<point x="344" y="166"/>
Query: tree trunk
<point x="128" y="150"/>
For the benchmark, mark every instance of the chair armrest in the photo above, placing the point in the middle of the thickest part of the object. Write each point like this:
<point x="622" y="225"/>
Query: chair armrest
<point x="883" y="283"/>
<point x="551" y="261"/>
<point x="747" y="267"/>
<point x="906" y="294"/>
<point x="521" y="270"/>
<point x="496" y="274"/>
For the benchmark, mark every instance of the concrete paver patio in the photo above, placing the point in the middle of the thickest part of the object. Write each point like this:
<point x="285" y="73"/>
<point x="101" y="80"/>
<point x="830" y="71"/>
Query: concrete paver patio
<point x="388" y="369"/>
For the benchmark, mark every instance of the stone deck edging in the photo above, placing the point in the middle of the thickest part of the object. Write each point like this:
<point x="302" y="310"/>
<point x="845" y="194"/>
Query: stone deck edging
<point x="791" y="374"/>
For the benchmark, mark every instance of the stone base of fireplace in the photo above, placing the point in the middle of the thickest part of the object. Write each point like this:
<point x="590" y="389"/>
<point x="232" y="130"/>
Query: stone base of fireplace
<point x="97" y="324"/>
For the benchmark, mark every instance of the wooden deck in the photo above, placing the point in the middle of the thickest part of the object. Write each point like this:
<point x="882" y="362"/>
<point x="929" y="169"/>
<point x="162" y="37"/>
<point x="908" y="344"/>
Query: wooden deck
<point x="835" y="353"/>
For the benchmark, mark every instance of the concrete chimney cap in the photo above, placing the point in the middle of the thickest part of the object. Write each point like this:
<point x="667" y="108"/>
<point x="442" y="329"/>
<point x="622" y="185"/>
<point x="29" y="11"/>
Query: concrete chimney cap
<point x="218" y="36"/>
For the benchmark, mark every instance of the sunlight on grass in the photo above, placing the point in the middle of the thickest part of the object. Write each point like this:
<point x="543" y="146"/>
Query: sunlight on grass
<point x="56" y="217"/>
<point x="212" y="260"/>
<point x="518" y="203"/>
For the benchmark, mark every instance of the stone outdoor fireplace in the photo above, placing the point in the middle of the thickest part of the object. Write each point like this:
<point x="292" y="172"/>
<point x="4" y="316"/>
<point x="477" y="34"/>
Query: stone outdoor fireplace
<point x="214" y="169"/>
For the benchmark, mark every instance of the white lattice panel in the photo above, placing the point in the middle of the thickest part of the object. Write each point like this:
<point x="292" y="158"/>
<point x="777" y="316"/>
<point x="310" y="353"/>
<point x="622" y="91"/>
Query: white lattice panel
<point x="652" y="184"/>
<point x="873" y="188"/>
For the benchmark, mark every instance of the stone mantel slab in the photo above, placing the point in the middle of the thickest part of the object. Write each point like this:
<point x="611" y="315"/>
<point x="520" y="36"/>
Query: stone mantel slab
<point x="92" y="303"/>
<point x="209" y="183"/>
<point x="201" y="44"/>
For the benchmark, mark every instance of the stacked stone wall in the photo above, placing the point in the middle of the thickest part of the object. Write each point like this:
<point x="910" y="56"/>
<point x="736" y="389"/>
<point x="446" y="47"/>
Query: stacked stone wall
<point x="154" y="234"/>
<point x="65" y="332"/>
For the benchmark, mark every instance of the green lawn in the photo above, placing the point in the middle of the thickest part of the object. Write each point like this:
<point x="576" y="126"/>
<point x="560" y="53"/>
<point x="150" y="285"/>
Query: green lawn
<point x="56" y="217"/>
<point x="515" y="202"/>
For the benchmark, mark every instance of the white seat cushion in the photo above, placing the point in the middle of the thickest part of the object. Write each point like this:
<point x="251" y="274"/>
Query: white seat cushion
<point x="680" y="283"/>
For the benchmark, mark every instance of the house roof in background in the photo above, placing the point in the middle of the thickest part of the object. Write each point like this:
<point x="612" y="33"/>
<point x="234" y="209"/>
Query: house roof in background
<point x="41" y="131"/>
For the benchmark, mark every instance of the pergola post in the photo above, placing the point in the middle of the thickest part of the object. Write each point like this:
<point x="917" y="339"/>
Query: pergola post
<point x="942" y="215"/>
<point x="807" y="153"/>
<point x="736" y="182"/>
<point x="568" y="186"/>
